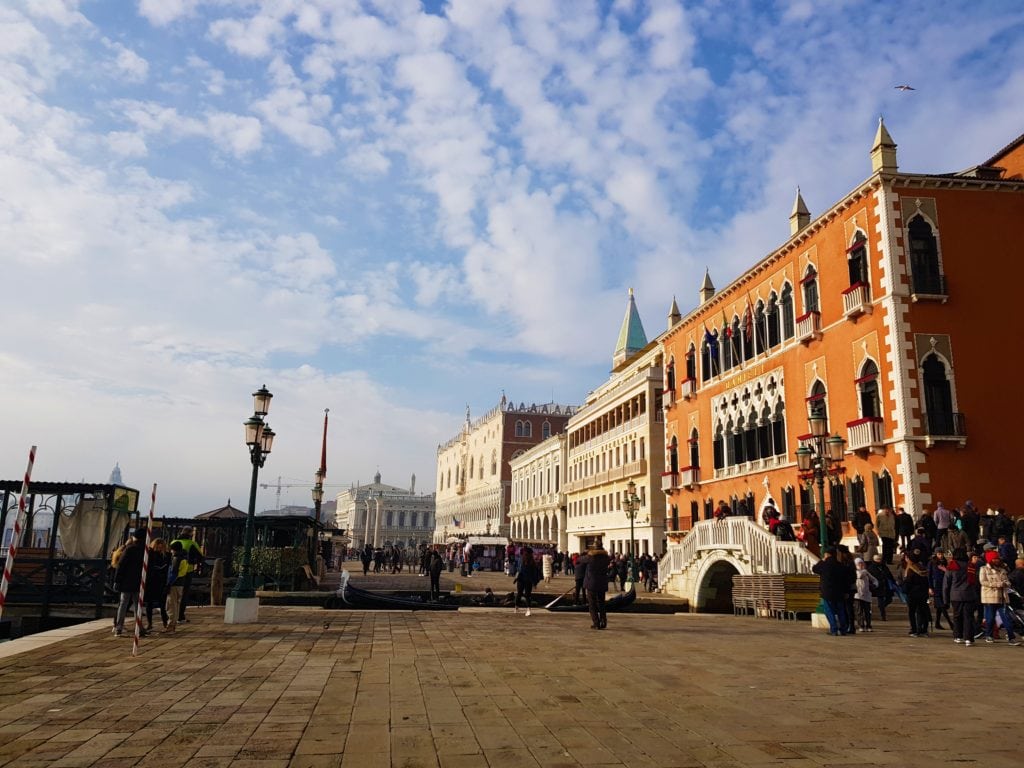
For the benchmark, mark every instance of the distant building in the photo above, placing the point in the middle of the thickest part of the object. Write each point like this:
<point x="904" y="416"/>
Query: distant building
<point x="537" y="512"/>
<point x="473" y="473"/>
<point x="614" y="438"/>
<point x="405" y="517"/>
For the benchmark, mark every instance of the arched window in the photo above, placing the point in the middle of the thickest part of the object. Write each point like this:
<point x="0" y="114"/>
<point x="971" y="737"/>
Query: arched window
<point x="737" y="442"/>
<point x="726" y="337"/>
<point x="481" y="466"/>
<point x="867" y="391"/>
<point x="788" y="316"/>
<point x="694" y="449"/>
<point x="471" y="466"/>
<point x="545" y="430"/>
<point x="772" y="321"/>
<point x="691" y="364"/>
<point x="670" y="375"/>
<point x="810" y="289"/>
<point x="883" y="490"/>
<point x="519" y="429"/>
<point x="779" y="429"/>
<point x="705" y="361"/>
<point x="527" y="429"/>
<point x="764" y="433"/>
<point x="760" y="328"/>
<point x="750" y="437"/>
<point x="673" y="455"/>
<point x="717" y="448"/>
<point x="938" y="397"/>
<point x="925" y="272"/>
<point x="450" y="478"/>
<point x="816" y="405"/>
<point x="737" y="341"/>
<point x="857" y="260"/>
<point x="494" y="462"/>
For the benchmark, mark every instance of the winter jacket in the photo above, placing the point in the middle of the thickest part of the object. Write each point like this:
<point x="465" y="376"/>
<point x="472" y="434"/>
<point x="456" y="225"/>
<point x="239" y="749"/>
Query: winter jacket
<point x="596" y="580"/>
<point x="905" y="524"/>
<point x="994" y="581"/>
<point x="885" y="524"/>
<point x="833" y="576"/>
<point x="915" y="582"/>
<point x="128" y="575"/>
<point x="156" y="576"/>
<point x="864" y="583"/>
<point x="529" y="573"/>
<point x="961" y="582"/>
<point x="868" y="543"/>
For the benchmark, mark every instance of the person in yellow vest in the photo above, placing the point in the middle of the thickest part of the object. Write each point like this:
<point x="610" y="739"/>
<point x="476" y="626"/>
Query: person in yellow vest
<point x="192" y="554"/>
<point x="176" y="575"/>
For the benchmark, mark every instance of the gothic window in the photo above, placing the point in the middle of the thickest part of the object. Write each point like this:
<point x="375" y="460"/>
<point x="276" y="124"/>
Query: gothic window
<point x="705" y="360"/>
<point x="857" y="496"/>
<point x="737" y="440"/>
<point x="760" y="329"/>
<point x="481" y="466"/>
<point x="691" y="364"/>
<point x="816" y="404"/>
<point x="673" y="456"/>
<point x="750" y="437"/>
<point x="694" y="449"/>
<point x="471" y="466"/>
<point x="772" y="317"/>
<point x="867" y="391"/>
<point x="764" y="433"/>
<point x="857" y="260"/>
<point x="718" y="448"/>
<point x="810" y="289"/>
<point x="788" y="318"/>
<point x="938" y="397"/>
<point x="494" y="462"/>
<point x="545" y="430"/>
<point x="737" y="341"/>
<point x="519" y="429"/>
<point x="726" y="337"/>
<point x="837" y="497"/>
<point x="883" y="490"/>
<point x="789" y="503"/>
<point x="925" y="272"/>
<point x="527" y="429"/>
<point x="670" y="375"/>
<point x="779" y="429"/>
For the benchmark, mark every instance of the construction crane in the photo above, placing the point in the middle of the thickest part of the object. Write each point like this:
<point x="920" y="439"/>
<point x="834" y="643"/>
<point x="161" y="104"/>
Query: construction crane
<point x="279" y="485"/>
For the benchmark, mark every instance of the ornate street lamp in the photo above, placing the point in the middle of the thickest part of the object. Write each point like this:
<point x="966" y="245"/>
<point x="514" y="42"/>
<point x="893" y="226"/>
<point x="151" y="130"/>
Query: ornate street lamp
<point x="631" y="505"/>
<point x="259" y="437"/>
<point x="819" y="457"/>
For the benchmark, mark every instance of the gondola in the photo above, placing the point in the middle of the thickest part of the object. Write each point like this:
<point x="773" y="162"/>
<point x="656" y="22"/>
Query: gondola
<point x="352" y="597"/>
<point x="620" y="602"/>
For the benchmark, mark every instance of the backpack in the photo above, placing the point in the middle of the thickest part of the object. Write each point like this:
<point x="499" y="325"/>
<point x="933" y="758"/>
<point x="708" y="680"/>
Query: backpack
<point x="784" y="531"/>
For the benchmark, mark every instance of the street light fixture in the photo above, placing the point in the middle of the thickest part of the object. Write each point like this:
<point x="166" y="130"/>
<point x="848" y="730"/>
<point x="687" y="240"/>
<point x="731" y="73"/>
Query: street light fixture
<point x="819" y="457"/>
<point x="631" y="505"/>
<point x="259" y="437"/>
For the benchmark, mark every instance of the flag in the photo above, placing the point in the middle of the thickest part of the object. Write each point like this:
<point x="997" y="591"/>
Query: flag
<point x="749" y="320"/>
<point x="725" y="324"/>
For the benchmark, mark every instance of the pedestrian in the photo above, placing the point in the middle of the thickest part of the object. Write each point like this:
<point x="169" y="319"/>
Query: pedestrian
<point x="526" y="579"/>
<point x="1018" y="534"/>
<point x="883" y="590"/>
<point x="936" y="579"/>
<point x="722" y="511"/>
<point x="769" y="513"/>
<point x="596" y="584"/>
<point x="868" y="542"/>
<point x="1007" y="552"/>
<point x="434" y="567"/>
<point x="783" y="530"/>
<point x="810" y="532"/>
<point x="846" y="559"/>
<point x="861" y="518"/>
<point x="579" y="575"/>
<point x="961" y="589"/>
<point x="915" y="585"/>
<point x="1017" y="577"/>
<point x="128" y="577"/>
<point x="156" y="581"/>
<point x="193" y="559"/>
<point x="904" y="528"/>
<point x="176" y="573"/>
<point x="885" y="527"/>
<point x="366" y="557"/>
<point x="931" y="530"/>
<point x="863" y="597"/>
<point x="833" y="529"/>
<point x="943" y="520"/>
<point x="832" y="577"/>
<point x="994" y="583"/>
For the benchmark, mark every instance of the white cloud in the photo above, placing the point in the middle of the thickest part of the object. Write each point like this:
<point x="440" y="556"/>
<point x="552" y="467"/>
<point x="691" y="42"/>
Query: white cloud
<point x="132" y="66"/>
<point x="127" y="144"/>
<point x="238" y="135"/>
<point x="163" y="12"/>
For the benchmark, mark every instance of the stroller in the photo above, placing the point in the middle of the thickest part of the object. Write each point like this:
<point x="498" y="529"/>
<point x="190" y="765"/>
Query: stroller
<point x="1016" y="610"/>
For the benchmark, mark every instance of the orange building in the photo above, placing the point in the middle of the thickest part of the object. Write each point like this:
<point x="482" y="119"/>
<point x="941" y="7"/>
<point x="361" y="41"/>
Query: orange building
<point x="890" y="314"/>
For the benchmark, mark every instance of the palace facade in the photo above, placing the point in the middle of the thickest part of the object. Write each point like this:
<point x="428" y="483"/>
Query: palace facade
<point x="381" y="514"/>
<point x="537" y="512"/>
<point x="887" y="315"/>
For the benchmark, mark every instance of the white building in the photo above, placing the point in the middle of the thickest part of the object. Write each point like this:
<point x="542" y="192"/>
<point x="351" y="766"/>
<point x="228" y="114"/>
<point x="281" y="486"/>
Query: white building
<point x="618" y="436"/>
<point x="385" y="514"/>
<point x="537" y="512"/>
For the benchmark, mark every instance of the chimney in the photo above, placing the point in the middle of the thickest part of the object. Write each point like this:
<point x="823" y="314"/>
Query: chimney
<point x="800" y="217"/>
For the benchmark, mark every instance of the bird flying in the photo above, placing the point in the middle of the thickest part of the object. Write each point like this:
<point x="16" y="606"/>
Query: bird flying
<point x="905" y="88"/>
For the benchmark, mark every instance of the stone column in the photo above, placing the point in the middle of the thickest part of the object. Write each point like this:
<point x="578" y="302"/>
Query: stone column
<point x="366" y="536"/>
<point x="376" y="526"/>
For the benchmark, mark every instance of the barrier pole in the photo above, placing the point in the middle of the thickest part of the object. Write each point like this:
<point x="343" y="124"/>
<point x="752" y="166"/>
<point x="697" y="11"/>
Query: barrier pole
<point x="12" y="551"/>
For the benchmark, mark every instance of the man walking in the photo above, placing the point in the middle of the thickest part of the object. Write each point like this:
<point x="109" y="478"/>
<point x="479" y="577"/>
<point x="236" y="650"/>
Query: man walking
<point x="435" y="566"/>
<point x="128" y="578"/>
<point x="596" y="583"/>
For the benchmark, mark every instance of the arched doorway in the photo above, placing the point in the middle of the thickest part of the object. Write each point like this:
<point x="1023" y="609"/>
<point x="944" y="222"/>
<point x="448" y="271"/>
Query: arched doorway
<point x="714" y="595"/>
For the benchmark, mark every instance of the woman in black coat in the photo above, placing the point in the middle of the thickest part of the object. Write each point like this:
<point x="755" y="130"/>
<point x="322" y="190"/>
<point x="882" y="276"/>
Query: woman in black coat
<point x="596" y="584"/>
<point x="156" y="581"/>
<point x="527" y="578"/>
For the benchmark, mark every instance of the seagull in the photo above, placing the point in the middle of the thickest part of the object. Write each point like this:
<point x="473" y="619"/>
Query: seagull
<point x="905" y="88"/>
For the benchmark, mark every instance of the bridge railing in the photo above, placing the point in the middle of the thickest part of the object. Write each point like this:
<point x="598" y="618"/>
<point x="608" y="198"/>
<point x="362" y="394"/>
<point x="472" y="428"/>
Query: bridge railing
<point x="764" y="552"/>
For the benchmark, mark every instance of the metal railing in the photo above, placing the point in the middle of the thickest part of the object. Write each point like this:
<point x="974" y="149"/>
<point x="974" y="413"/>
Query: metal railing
<point x="947" y="424"/>
<point x="929" y="285"/>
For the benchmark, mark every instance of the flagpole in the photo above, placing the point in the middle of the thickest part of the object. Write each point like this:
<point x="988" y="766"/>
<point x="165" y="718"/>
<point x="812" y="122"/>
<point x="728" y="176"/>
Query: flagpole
<point x="145" y="569"/>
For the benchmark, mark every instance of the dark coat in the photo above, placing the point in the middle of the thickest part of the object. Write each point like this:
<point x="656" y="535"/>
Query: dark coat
<point x="904" y="524"/>
<point x="834" y="579"/>
<point x="580" y="570"/>
<point x="436" y="564"/>
<point x="596" y="563"/>
<point x="529" y="573"/>
<point x="128" y="574"/>
<point x="957" y="586"/>
<point x="156" y="576"/>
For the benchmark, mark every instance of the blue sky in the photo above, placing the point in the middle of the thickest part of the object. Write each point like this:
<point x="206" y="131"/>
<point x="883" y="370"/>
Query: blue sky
<point x="394" y="210"/>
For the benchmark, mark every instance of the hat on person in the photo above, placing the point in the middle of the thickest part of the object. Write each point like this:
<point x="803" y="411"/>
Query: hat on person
<point x="858" y="561"/>
<point x="989" y="547"/>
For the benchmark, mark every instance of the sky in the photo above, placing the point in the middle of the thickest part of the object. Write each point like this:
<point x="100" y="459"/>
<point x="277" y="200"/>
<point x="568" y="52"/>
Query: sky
<point x="394" y="209"/>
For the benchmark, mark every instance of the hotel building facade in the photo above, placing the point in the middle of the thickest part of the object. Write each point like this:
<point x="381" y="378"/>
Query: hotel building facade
<point x="381" y="514"/>
<point x="886" y="314"/>
<point x="537" y="514"/>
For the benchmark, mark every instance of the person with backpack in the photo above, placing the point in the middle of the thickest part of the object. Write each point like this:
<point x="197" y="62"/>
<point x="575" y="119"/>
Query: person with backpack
<point x="177" y="573"/>
<point x="784" y="530"/>
<point x="193" y="557"/>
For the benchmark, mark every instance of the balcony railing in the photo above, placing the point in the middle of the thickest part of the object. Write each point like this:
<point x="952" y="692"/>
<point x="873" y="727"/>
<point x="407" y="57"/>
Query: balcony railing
<point x="866" y="433"/>
<point x="668" y="398"/>
<point x="669" y="481"/>
<point x="808" y="326"/>
<point x="928" y="287"/>
<point x="688" y="389"/>
<point x="857" y="300"/>
<point x="947" y="425"/>
<point x="689" y="476"/>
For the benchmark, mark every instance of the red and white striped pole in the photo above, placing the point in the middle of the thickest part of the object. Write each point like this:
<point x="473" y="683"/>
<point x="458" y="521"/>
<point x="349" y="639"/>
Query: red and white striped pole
<point x="145" y="568"/>
<point x="12" y="551"/>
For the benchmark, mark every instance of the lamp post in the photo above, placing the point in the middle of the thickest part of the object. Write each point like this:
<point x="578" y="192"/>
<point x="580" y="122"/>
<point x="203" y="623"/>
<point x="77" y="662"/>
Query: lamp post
<point x="242" y="605"/>
<point x="818" y="458"/>
<point x="631" y="505"/>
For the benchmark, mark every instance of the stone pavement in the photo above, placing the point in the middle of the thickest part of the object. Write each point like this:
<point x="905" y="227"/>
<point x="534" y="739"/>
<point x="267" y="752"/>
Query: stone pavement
<point x="311" y="688"/>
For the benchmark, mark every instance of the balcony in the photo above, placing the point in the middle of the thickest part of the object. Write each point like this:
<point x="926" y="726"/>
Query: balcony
<point x="866" y="434"/>
<point x="688" y="389"/>
<point x="668" y="399"/>
<point x="669" y="481"/>
<point x="808" y="326"/>
<point x="689" y="477"/>
<point x="946" y="427"/>
<point x="857" y="300"/>
<point x="928" y="288"/>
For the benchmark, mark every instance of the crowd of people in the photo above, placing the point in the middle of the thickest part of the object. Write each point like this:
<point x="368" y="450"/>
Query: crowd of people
<point x="952" y="564"/>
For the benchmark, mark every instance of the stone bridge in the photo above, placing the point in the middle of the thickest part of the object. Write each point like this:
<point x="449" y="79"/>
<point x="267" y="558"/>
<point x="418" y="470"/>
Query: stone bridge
<point x="700" y="567"/>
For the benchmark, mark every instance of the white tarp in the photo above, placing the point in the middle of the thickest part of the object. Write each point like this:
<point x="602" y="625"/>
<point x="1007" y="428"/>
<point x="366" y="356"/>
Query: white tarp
<point x="81" y="532"/>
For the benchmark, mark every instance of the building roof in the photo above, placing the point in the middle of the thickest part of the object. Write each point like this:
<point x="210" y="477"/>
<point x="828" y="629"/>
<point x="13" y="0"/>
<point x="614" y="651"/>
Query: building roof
<point x="227" y="511"/>
<point x="632" y="338"/>
<point x="799" y="206"/>
<point x="994" y="160"/>
<point x="707" y="285"/>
